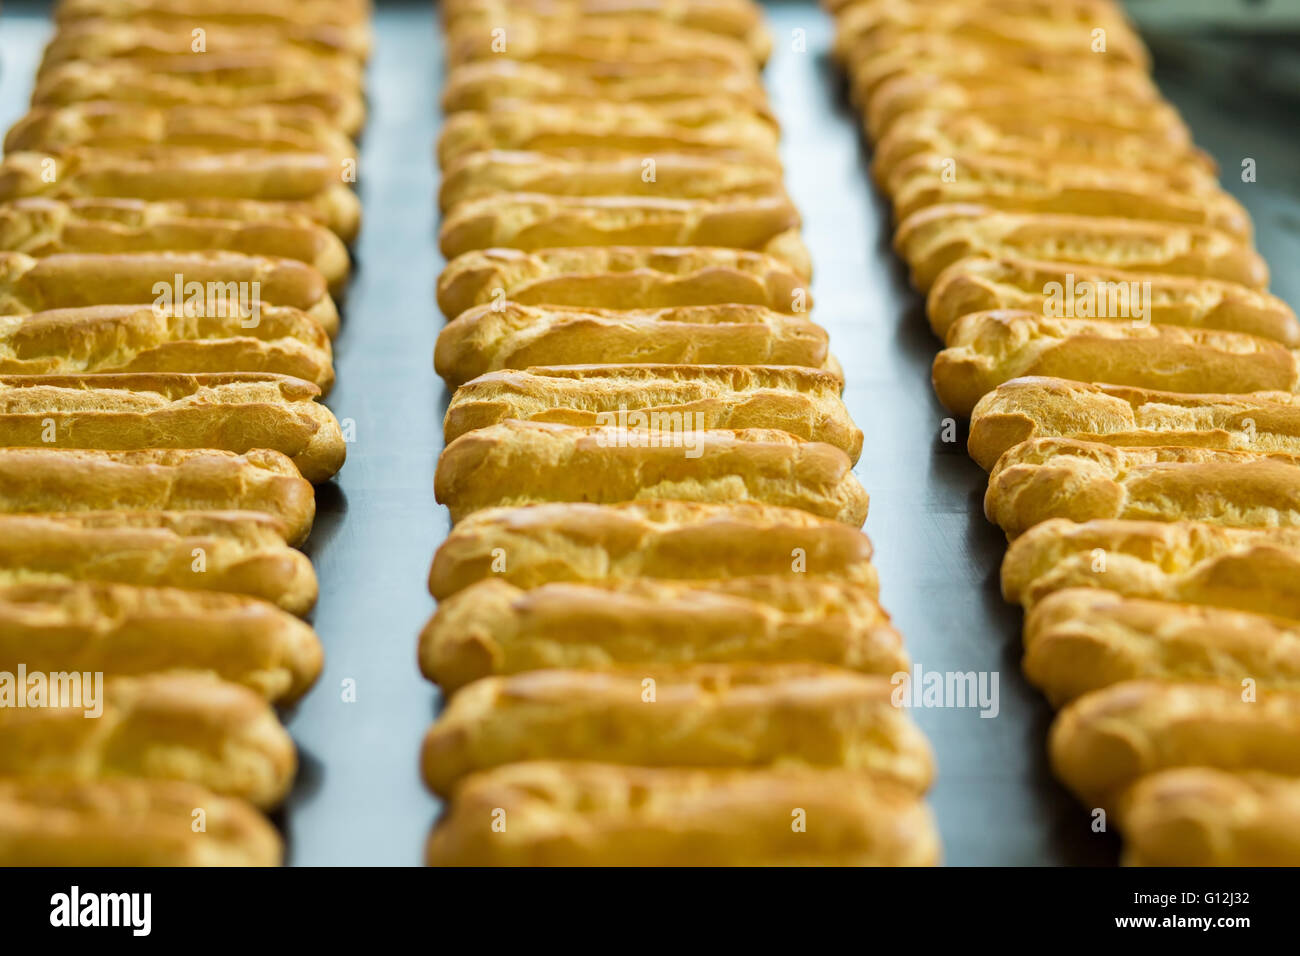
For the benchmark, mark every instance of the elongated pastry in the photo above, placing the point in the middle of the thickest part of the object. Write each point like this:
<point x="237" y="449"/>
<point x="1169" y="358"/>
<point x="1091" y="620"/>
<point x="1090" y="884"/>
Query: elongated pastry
<point x="268" y="66"/>
<point x="487" y="339"/>
<point x="934" y="238"/>
<point x="42" y="227"/>
<point x="1082" y="639"/>
<point x="804" y="402"/>
<point x="740" y="20"/>
<point x="237" y="411"/>
<point x="241" y="552"/>
<point x="141" y="338"/>
<point x="104" y="124"/>
<point x="34" y="480"/>
<point x="181" y="726"/>
<point x="124" y="822"/>
<point x="295" y="185"/>
<point x="211" y="80"/>
<point x="1022" y="184"/>
<point x="671" y="176"/>
<point x="713" y="715"/>
<point x="532" y="545"/>
<point x="204" y="283"/>
<point x="124" y="631"/>
<point x="1250" y="569"/>
<point x="537" y="221"/>
<point x="482" y="84"/>
<point x="496" y="628"/>
<point x="614" y="277"/>
<point x="608" y="464"/>
<point x="585" y="814"/>
<point x="1105" y="741"/>
<point x="1066" y="478"/>
<point x="352" y="14"/>
<point x="1027" y="408"/>
<point x="1196" y="816"/>
<point x="611" y="128"/>
<point x="986" y="349"/>
<point x="1062" y="290"/>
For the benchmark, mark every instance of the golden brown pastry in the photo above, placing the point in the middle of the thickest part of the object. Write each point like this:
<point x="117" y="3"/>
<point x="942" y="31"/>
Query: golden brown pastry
<point x="131" y="338"/>
<point x="352" y="14"/>
<point x="1251" y="569"/>
<point x="202" y="282"/>
<point x="986" y="349"/>
<point x="1105" y="741"/>
<point x="35" y="480"/>
<point x="566" y="813"/>
<point x="1082" y="639"/>
<point x="608" y="464"/>
<point x="537" y="221"/>
<point x="1057" y="289"/>
<point x="1196" y="816"/>
<point x="804" y="402"/>
<point x="42" y="227"/>
<point x="670" y="176"/>
<point x="124" y="631"/>
<point x="601" y="129"/>
<point x="181" y="726"/>
<point x="716" y="715"/>
<point x="615" y="277"/>
<point x="1067" y="478"/>
<point x="531" y="545"/>
<point x="295" y="185"/>
<point x="242" y="552"/>
<point x="104" y="124"/>
<point x="932" y="239"/>
<point x="237" y="411"/>
<point x="224" y="81"/>
<point x="1024" y="184"/>
<point x="1027" y="408"/>
<point x="126" y="822"/>
<point x="495" y="628"/>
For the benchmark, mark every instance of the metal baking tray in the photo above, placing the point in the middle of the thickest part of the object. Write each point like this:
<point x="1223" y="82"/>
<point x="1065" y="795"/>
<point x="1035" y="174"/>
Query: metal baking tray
<point x="358" y="799"/>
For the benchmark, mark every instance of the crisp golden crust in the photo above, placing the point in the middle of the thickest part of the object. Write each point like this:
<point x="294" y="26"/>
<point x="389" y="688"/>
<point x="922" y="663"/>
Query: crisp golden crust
<point x="1105" y="741"/>
<point x="213" y="280"/>
<point x="141" y="338"/>
<point x="496" y="628"/>
<point x="178" y="726"/>
<point x="1250" y="569"/>
<point x="124" y="631"/>
<point x="43" y="227"/>
<point x="538" y="221"/>
<point x="1035" y="407"/>
<point x="240" y="552"/>
<point x="611" y="128"/>
<point x="784" y="715"/>
<point x="611" y="277"/>
<point x="681" y="540"/>
<point x="1065" y="478"/>
<point x="236" y="411"/>
<point x="582" y="814"/>
<point x="129" y="823"/>
<point x="673" y="176"/>
<point x="982" y="284"/>
<point x="934" y="238"/>
<point x="291" y="185"/>
<point x="351" y="14"/>
<point x="486" y="338"/>
<point x="108" y="125"/>
<point x="804" y="402"/>
<point x="1195" y="816"/>
<point x="986" y="349"/>
<point x="35" y="480"/>
<point x="1082" y="639"/>
<point x="1030" y="185"/>
<point x="609" y="464"/>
